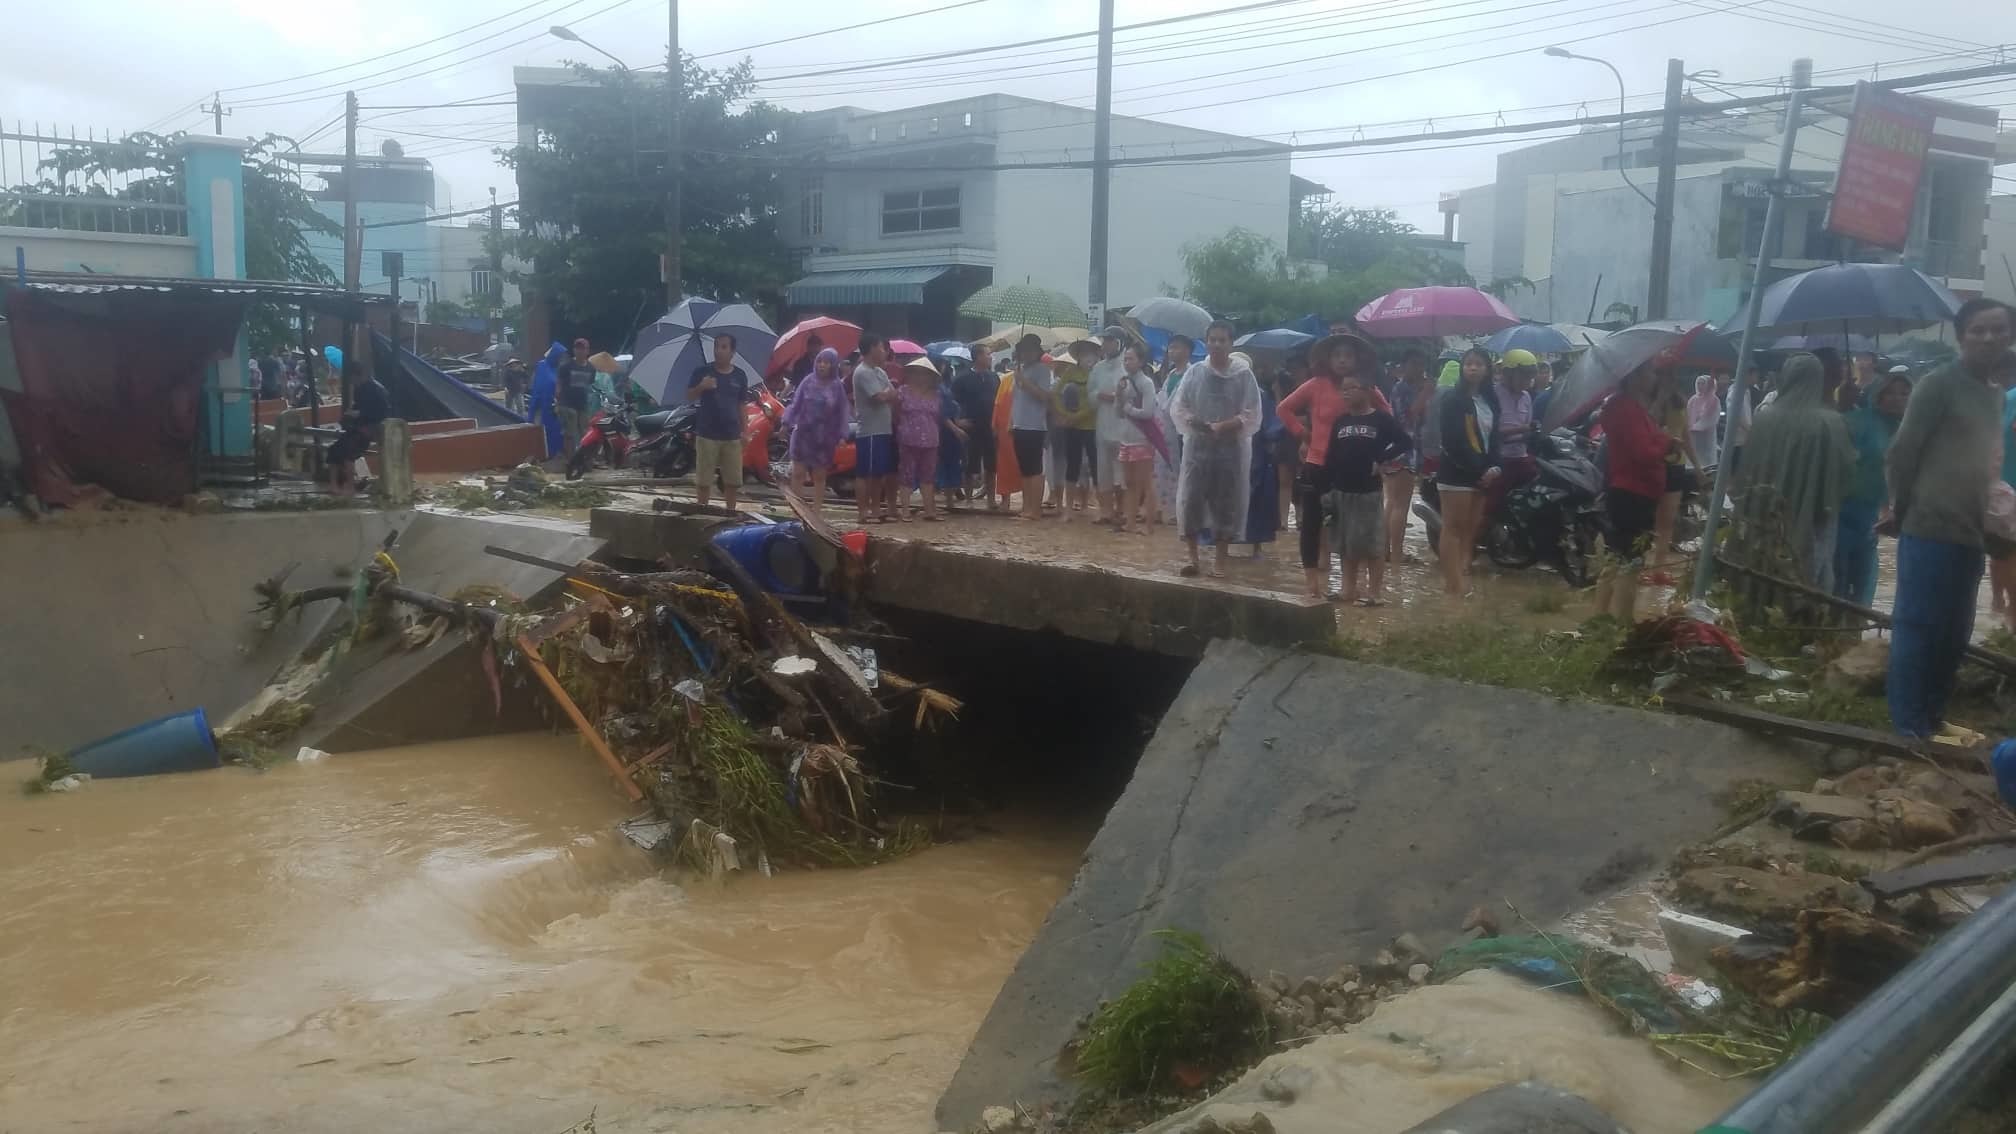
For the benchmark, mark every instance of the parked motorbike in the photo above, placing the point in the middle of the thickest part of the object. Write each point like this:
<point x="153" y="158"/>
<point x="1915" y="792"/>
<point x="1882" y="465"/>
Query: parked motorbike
<point x="1556" y="517"/>
<point x="661" y="441"/>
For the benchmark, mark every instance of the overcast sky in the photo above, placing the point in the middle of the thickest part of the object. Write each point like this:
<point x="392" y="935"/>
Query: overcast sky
<point x="1307" y="71"/>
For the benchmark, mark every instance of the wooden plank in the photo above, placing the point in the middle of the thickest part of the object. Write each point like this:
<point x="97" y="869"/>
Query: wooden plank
<point x="1955" y="871"/>
<point x="1839" y="735"/>
<point x="581" y="724"/>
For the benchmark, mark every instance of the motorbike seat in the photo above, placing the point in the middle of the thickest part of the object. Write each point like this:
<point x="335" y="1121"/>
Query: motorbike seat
<point x="654" y="422"/>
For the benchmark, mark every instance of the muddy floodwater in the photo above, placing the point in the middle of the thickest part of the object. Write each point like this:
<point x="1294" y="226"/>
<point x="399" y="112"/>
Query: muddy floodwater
<point x="450" y="938"/>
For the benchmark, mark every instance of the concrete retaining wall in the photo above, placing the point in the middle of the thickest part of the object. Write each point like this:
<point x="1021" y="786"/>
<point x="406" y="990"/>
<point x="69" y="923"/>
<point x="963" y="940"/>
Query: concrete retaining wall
<point x="1301" y="811"/>
<point x="116" y="618"/>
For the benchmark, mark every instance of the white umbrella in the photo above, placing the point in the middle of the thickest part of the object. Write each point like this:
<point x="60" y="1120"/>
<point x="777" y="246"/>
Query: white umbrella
<point x="681" y="342"/>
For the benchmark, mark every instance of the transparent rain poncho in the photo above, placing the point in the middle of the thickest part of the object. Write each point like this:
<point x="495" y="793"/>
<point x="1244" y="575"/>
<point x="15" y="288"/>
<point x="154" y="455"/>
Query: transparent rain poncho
<point x="1212" y="485"/>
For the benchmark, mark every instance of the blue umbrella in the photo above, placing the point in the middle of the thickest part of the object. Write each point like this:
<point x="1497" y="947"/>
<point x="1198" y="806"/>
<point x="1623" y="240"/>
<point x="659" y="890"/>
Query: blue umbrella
<point x="936" y="351"/>
<point x="1280" y="338"/>
<point x="1536" y="337"/>
<point x="1869" y="299"/>
<point x="670" y="350"/>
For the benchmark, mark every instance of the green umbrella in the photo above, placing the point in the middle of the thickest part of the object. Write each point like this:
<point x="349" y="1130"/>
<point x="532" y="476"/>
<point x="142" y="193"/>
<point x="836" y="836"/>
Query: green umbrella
<point x="1024" y="303"/>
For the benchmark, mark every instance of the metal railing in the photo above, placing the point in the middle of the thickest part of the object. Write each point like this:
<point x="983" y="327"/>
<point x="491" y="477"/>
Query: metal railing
<point x="1947" y="258"/>
<point x="89" y="183"/>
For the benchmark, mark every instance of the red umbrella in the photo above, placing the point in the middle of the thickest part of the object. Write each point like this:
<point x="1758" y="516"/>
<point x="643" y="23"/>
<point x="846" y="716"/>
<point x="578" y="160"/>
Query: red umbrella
<point x="1432" y="312"/>
<point x="899" y="347"/>
<point x="836" y="333"/>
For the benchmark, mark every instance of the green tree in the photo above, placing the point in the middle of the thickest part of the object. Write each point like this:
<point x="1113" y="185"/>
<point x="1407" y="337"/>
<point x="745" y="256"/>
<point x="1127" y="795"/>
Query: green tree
<point x="591" y="222"/>
<point x="1248" y="278"/>
<point x="149" y="168"/>
<point x="1351" y="239"/>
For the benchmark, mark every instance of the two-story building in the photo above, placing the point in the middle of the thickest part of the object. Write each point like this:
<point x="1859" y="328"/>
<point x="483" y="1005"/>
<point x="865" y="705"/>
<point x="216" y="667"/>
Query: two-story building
<point x="911" y="211"/>
<point x="1568" y="215"/>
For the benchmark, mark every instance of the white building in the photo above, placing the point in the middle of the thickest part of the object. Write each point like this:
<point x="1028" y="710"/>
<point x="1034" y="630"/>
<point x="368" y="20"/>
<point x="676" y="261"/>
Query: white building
<point x="1562" y="214"/>
<point x="911" y="213"/>
<point x="2001" y="258"/>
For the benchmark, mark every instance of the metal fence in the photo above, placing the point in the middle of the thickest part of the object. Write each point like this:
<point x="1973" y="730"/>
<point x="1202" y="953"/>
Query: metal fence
<point x="88" y="182"/>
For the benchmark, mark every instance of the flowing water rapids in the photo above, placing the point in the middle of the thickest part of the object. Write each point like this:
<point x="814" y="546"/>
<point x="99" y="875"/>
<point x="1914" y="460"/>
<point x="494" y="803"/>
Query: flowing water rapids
<point x="450" y="937"/>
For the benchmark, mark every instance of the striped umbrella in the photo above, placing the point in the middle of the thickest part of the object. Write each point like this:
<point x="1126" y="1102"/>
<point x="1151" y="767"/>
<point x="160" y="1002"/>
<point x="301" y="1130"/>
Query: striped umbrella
<point x="670" y="350"/>
<point x="1024" y="303"/>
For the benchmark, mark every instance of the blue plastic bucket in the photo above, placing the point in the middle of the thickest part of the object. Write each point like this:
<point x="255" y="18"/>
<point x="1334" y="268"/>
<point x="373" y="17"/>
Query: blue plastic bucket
<point x="773" y="555"/>
<point x="181" y="743"/>
<point x="2004" y="762"/>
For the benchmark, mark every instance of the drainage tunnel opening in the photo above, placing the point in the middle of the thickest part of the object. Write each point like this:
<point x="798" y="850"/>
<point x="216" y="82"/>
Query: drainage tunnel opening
<point x="1051" y="725"/>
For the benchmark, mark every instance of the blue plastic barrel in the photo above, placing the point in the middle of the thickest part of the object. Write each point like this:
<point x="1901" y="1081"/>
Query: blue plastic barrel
<point x="2004" y="762"/>
<point x="774" y="556"/>
<point x="180" y="743"/>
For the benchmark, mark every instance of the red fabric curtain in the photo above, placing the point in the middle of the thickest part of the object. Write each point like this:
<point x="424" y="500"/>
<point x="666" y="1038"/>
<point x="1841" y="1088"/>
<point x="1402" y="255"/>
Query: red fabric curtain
<point x="112" y="386"/>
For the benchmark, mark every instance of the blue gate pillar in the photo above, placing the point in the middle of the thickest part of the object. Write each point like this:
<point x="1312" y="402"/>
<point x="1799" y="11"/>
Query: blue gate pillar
<point x="213" y="176"/>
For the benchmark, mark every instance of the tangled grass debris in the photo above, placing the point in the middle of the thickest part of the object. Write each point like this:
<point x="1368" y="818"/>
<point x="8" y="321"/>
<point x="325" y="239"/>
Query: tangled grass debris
<point x="50" y="767"/>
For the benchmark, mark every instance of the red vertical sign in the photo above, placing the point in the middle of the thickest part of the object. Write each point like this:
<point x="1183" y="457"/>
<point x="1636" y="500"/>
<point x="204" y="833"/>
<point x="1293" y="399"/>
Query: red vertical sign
<point x="1882" y="161"/>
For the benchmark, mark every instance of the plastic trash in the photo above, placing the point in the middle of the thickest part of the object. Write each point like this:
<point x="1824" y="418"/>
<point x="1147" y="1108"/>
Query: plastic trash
<point x="309" y="755"/>
<point x="71" y="782"/>
<point x="647" y="831"/>
<point x="793" y="666"/>
<point x="692" y="690"/>
<point x="864" y="659"/>
<point x="1758" y="667"/>
<point x="1783" y="697"/>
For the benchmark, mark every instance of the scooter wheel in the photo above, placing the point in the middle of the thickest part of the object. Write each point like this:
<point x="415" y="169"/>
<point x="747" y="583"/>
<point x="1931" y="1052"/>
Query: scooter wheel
<point x="577" y="465"/>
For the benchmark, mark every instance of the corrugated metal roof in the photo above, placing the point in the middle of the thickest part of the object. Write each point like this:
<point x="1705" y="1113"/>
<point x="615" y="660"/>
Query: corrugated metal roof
<point x="864" y="285"/>
<point x="84" y="283"/>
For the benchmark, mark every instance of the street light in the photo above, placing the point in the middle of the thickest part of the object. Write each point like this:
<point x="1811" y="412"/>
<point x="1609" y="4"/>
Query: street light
<point x="562" y="31"/>
<point x="1622" y="164"/>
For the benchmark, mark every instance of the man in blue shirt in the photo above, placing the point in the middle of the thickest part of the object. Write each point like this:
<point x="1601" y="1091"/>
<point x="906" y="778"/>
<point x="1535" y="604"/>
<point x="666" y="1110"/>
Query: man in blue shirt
<point x="720" y="388"/>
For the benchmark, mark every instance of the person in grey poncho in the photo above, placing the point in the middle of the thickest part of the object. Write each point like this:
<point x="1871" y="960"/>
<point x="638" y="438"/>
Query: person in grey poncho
<point x="1795" y="474"/>
<point x="1217" y="411"/>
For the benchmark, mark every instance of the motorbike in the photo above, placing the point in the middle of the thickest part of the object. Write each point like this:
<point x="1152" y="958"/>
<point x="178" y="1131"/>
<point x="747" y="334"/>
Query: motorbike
<point x="661" y="441"/>
<point x="1556" y="517"/>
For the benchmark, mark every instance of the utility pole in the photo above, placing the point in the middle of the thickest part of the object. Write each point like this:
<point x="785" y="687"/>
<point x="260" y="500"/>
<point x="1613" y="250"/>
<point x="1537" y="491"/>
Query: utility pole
<point x="1662" y="205"/>
<point x="353" y="246"/>
<point x="675" y="89"/>
<point x="1767" y="250"/>
<point x="353" y="237"/>
<point x="217" y="112"/>
<point x="1102" y="169"/>
<point x="496" y="296"/>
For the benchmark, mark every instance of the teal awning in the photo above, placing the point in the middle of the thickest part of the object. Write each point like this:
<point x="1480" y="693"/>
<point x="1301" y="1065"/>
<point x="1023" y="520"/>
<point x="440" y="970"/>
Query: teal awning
<point x="863" y="285"/>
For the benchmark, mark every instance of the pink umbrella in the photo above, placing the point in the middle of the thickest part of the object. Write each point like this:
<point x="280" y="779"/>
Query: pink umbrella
<point x="1431" y="312"/>
<point x="836" y="333"/>
<point x="899" y="347"/>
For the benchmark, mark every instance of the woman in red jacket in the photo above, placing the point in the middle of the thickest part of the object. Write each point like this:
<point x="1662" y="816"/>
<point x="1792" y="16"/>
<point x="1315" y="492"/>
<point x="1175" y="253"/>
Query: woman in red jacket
<point x="1635" y="480"/>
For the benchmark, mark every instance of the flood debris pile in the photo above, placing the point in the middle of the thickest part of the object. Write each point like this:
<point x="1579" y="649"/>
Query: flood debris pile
<point x="743" y="727"/>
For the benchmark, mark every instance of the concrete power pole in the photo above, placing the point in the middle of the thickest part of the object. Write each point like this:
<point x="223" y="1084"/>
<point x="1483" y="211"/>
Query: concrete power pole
<point x="353" y="237"/>
<point x="1662" y="206"/>
<point x="217" y="112"/>
<point x="496" y="297"/>
<point x="675" y="88"/>
<point x="1102" y="169"/>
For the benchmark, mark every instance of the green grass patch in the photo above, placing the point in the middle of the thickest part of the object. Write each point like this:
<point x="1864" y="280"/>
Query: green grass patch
<point x="1545" y="602"/>
<point x="1192" y="1011"/>
<point x="1558" y="663"/>
<point x="260" y="741"/>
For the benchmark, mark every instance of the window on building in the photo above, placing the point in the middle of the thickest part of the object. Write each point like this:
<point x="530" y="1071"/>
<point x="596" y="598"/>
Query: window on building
<point x="873" y="131"/>
<point x="902" y="129"/>
<point x="479" y="283"/>
<point x="966" y="120"/>
<point x="812" y="207"/>
<point x="934" y="125"/>
<point x="920" y="210"/>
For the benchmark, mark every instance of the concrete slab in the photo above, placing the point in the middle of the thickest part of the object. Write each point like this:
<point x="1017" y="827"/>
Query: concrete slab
<point x="1300" y="811"/>
<point x="117" y="618"/>
<point x="1110" y="605"/>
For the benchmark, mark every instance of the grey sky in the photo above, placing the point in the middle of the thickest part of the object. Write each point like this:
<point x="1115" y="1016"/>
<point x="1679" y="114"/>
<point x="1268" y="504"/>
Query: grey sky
<point x="1384" y="65"/>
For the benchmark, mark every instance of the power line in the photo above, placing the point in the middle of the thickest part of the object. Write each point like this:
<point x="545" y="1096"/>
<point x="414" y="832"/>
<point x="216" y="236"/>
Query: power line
<point x="847" y="28"/>
<point x="367" y="61"/>
<point x="440" y="217"/>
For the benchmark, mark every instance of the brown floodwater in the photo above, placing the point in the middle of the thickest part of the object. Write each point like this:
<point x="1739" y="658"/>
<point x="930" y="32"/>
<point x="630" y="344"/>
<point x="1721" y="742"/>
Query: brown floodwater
<point x="450" y="937"/>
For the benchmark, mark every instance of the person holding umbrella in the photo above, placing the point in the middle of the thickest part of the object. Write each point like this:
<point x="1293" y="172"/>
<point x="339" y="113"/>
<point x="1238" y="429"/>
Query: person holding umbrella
<point x="1871" y="427"/>
<point x="817" y="415"/>
<point x="1940" y="464"/>
<point x="720" y="388"/>
<point x="1029" y="421"/>
<point x="1634" y="479"/>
